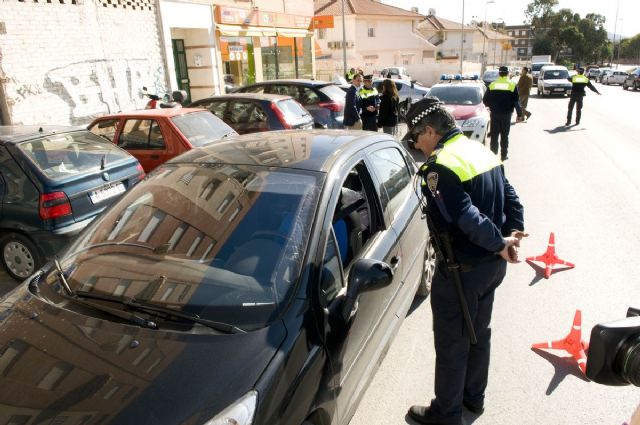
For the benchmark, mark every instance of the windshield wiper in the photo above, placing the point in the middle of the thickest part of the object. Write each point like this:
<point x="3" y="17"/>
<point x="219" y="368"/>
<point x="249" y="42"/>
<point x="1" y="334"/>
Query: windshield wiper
<point x="167" y="312"/>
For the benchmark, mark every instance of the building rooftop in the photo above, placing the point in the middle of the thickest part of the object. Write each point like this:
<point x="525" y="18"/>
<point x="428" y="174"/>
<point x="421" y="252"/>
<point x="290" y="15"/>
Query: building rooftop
<point x="361" y="7"/>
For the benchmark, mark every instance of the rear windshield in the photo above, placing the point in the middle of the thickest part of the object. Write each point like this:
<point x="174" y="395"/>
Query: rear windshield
<point x="556" y="74"/>
<point x="490" y="74"/>
<point x="222" y="241"/>
<point x="457" y="95"/>
<point x="63" y="155"/>
<point x="202" y="127"/>
<point x="292" y="110"/>
<point x="335" y="93"/>
<point x="538" y="66"/>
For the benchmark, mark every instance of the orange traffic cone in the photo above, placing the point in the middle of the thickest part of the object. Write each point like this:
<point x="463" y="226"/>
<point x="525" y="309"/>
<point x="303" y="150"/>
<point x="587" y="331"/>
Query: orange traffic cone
<point x="550" y="258"/>
<point x="572" y="344"/>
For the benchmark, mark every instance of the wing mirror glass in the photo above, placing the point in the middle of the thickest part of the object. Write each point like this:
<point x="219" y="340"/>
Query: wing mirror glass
<point x="365" y="275"/>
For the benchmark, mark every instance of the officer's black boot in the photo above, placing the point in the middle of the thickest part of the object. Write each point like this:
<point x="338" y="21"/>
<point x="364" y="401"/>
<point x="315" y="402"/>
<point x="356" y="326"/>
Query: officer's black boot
<point x="424" y="415"/>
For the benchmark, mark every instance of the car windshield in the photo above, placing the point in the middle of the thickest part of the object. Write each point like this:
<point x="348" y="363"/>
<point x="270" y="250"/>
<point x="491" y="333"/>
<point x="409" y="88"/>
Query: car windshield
<point x="538" y="66"/>
<point x="63" y="155"/>
<point x="221" y="241"/>
<point x="334" y="92"/>
<point x="490" y="74"/>
<point x="556" y="74"/>
<point x="457" y="95"/>
<point x="201" y="127"/>
<point x="292" y="110"/>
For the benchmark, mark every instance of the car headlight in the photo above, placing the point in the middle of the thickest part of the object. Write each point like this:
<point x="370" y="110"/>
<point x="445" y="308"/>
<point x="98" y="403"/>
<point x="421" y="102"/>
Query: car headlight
<point x="473" y="122"/>
<point x="239" y="413"/>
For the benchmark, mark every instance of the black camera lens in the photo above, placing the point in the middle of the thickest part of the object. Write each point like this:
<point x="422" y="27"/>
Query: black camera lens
<point x="628" y="360"/>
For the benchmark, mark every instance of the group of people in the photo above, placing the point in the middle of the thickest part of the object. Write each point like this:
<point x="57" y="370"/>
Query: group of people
<point x="476" y="222"/>
<point x="367" y="109"/>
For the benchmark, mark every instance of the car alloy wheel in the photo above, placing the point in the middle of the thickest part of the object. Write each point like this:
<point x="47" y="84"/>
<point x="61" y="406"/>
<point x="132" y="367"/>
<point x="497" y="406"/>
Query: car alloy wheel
<point x="428" y="270"/>
<point x="19" y="256"/>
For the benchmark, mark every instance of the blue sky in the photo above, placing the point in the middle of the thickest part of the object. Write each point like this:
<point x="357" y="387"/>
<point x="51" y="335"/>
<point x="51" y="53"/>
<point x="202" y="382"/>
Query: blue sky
<point x="512" y="11"/>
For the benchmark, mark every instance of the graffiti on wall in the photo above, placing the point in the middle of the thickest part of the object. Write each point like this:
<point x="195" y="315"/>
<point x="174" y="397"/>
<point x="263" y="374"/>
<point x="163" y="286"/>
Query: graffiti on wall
<point x="97" y="87"/>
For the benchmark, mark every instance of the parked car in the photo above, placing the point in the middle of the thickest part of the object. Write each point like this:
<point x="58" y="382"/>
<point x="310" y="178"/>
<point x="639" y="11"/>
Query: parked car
<point x="322" y="99"/>
<point x="409" y="93"/>
<point x="632" y="80"/>
<point x="535" y="70"/>
<point x="593" y="73"/>
<point x="254" y="112"/>
<point x="614" y="77"/>
<point x="396" y="72"/>
<point x="54" y="181"/>
<point x="554" y="80"/>
<point x="490" y="76"/>
<point x="603" y="72"/>
<point x="464" y="100"/>
<point x="154" y="136"/>
<point x="236" y="285"/>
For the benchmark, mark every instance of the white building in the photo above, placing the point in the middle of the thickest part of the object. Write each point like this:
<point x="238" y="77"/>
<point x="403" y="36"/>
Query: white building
<point x="377" y="36"/>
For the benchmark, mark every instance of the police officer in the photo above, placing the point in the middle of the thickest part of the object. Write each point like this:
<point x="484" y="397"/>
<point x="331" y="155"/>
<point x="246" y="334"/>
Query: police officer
<point x="469" y="198"/>
<point x="370" y="104"/>
<point x="502" y="98"/>
<point x="349" y="75"/>
<point x="579" y="82"/>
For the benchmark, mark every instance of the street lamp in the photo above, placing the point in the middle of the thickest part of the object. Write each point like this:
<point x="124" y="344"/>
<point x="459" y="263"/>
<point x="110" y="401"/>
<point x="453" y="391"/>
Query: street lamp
<point x="462" y="39"/>
<point x="484" y="36"/>
<point x="344" y="43"/>
<point x="495" y="41"/>
<point x="615" y="27"/>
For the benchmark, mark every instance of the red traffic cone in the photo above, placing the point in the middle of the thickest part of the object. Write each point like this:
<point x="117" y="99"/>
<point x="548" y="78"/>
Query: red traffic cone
<point x="550" y="258"/>
<point x="572" y="344"/>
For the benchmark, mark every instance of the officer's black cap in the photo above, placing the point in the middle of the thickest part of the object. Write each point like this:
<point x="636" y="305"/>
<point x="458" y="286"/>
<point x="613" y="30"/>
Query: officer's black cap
<point x="503" y="69"/>
<point x="368" y="77"/>
<point x="580" y="69"/>
<point x="419" y="110"/>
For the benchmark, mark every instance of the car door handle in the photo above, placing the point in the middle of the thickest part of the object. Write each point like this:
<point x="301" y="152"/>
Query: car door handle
<point x="155" y="157"/>
<point x="395" y="262"/>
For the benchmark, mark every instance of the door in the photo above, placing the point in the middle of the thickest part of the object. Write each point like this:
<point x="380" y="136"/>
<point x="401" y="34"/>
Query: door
<point x="360" y="232"/>
<point x="145" y="140"/>
<point x="182" y="72"/>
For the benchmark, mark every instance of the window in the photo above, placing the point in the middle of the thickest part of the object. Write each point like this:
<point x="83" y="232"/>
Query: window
<point x="141" y="134"/>
<point x="105" y="129"/>
<point x="331" y="278"/>
<point x="322" y="33"/>
<point x="217" y="108"/>
<point x="371" y="32"/>
<point x="285" y="90"/>
<point x="55" y="375"/>
<point x="309" y="97"/>
<point x="392" y="170"/>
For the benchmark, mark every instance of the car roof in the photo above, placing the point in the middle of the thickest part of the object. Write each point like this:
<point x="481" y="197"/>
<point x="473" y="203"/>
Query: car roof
<point x="252" y="96"/>
<point x="468" y="83"/>
<point x="300" y="81"/>
<point x="547" y="67"/>
<point x="151" y="113"/>
<point x="312" y="150"/>
<point x="21" y="133"/>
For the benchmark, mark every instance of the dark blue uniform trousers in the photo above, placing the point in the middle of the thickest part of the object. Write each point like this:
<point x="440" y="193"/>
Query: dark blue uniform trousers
<point x="461" y="368"/>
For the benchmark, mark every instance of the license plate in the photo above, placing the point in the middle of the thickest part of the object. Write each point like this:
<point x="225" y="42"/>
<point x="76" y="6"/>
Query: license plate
<point x="106" y="192"/>
<point x="558" y="89"/>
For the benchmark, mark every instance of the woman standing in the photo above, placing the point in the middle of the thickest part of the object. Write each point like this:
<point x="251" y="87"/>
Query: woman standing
<point x="389" y="100"/>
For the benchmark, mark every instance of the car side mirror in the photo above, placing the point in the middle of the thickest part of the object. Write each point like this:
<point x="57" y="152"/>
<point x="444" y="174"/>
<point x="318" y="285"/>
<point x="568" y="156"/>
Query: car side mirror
<point x="365" y="275"/>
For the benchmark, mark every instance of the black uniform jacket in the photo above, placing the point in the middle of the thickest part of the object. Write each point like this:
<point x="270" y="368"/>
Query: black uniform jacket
<point x="468" y="194"/>
<point x="388" y="114"/>
<point x="352" y="106"/>
<point x="502" y="101"/>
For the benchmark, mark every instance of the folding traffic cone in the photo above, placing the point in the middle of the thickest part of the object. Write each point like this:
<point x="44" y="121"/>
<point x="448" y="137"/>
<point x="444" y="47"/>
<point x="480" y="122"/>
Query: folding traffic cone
<point x="550" y="258"/>
<point x="572" y="344"/>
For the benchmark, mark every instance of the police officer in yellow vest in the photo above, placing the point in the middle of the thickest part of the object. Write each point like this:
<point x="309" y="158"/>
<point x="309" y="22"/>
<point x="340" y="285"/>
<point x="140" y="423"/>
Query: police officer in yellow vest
<point x="579" y="82"/>
<point x="501" y="99"/>
<point x="370" y="104"/>
<point x="468" y="199"/>
<point x="349" y="75"/>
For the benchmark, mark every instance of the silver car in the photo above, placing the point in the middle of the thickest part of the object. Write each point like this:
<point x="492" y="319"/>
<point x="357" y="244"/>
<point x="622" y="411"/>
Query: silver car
<point x="614" y="77"/>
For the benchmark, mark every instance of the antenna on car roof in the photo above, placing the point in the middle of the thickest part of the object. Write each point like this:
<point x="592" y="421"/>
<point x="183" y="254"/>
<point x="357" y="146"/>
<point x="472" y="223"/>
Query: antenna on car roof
<point x="40" y="130"/>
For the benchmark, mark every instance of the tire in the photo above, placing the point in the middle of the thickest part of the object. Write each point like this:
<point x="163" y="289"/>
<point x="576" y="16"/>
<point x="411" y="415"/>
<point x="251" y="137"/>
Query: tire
<point x="428" y="270"/>
<point x="487" y="134"/>
<point x="624" y="85"/>
<point x="636" y="86"/>
<point x="20" y="257"/>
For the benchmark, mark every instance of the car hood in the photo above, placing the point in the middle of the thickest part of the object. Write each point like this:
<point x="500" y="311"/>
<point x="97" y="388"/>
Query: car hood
<point x="557" y="82"/>
<point x="57" y="362"/>
<point x="465" y="112"/>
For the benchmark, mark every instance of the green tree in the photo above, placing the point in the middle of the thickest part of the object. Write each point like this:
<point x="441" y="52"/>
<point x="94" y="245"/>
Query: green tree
<point x="630" y="48"/>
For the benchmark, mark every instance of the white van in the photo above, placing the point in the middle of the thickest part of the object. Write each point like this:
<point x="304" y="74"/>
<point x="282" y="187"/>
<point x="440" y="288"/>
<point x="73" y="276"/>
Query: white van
<point x="554" y="79"/>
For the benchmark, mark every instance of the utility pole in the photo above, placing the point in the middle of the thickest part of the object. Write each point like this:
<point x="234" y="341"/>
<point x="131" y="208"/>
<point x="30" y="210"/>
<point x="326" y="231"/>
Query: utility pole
<point x="615" y="27"/>
<point x="462" y="40"/>
<point x="344" y="43"/>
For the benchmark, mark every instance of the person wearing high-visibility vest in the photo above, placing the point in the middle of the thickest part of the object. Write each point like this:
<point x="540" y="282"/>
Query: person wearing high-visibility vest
<point x="501" y="99"/>
<point x="469" y="202"/>
<point x="370" y="104"/>
<point x="349" y="75"/>
<point x="579" y="82"/>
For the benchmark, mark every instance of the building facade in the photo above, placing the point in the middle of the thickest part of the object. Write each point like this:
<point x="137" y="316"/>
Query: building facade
<point x="377" y="36"/>
<point x="522" y="42"/>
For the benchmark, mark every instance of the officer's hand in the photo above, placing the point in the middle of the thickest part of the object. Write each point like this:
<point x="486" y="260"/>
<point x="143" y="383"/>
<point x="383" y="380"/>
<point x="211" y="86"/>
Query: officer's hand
<point x="518" y="234"/>
<point x="511" y="245"/>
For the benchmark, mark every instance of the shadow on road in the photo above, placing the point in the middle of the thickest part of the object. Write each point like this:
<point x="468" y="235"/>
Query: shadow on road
<point x="562" y="366"/>
<point x="417" y="302"/>
<point x="540" y="271"/>
<point x="564" y="129"/>
<point x="467" y="418"/>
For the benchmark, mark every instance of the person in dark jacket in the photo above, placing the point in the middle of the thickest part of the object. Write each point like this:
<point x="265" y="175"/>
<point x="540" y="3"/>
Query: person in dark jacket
<point x="370" y="104"/>
<point x="353" y="105"/>
<point x="389" y="103"/>
<point x="468" y="196"/>
<point x="502" y="98"/>
<point x="579" y="82"/>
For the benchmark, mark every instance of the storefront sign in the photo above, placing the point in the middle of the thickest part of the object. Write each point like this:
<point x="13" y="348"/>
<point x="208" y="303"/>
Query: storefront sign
<point x="323" y="21"/>
<point x="267" y="19"/>
<point x="236" y="16"/>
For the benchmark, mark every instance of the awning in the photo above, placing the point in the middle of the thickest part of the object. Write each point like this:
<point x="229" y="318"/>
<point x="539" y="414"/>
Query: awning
<point x="245" y="31"/>
<point x="293" y="32"/>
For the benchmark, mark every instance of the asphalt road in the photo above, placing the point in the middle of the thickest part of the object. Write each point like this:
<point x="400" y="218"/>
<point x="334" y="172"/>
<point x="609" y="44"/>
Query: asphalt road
<point x="582" y="183"/>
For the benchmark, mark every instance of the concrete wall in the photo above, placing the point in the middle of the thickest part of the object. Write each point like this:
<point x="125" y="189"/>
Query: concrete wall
<point x="67" y="63"/>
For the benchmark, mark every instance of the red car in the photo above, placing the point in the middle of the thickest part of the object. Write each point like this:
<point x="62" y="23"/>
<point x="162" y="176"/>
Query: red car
<point x="154" y="136"/>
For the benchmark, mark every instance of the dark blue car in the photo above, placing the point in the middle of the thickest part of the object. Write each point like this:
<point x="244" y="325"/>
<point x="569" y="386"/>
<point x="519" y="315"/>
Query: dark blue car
<point x="53" y="182"/>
